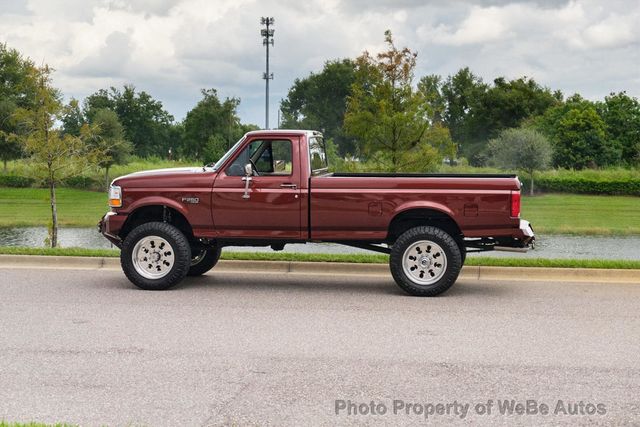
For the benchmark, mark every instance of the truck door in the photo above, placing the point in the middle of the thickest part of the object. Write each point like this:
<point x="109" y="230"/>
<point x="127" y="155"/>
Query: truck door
<point x="270" y="208"/>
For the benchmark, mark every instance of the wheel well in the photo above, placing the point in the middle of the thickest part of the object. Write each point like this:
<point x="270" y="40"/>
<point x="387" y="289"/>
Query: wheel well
<point x="417" y="217"/>
<point x="159" y="213"/>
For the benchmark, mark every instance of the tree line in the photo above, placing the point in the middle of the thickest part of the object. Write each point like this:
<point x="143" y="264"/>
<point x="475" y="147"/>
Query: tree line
<point x="372" y="108"/>
<point x="125" y="120"/>
<point x="374" y="111"/>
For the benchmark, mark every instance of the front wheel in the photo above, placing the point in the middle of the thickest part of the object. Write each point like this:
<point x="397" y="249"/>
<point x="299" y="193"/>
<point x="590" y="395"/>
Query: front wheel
<point x="203" y="261"/>
<point x="155" y="256"/>
<point x="425" y="261"/>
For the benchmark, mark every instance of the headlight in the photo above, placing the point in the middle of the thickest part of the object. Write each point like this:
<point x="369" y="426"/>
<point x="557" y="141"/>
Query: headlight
<point x="115" y="196"/>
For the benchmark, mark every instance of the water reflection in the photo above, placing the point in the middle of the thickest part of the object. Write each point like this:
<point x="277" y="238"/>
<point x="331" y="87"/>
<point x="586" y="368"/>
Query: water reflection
<point x="67" y="237"/>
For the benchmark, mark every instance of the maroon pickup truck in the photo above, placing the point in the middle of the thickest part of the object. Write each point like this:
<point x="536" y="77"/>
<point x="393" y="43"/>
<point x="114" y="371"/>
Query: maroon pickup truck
<point x="274" y="188"/>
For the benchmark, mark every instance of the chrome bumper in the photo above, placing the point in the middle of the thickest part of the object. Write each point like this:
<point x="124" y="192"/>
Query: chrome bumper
<point x="523" y="241"/>
<point x="527" y="231"/>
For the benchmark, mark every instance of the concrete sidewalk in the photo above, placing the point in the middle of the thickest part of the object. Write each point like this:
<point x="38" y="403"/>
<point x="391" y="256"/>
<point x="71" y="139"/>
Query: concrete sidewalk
<point x="332" y="268"/>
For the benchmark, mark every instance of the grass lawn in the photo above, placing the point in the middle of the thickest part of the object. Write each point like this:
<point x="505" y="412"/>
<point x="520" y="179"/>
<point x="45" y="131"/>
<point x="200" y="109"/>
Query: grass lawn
<point x="583" y="214"/>
<point x="21" y="207"/>
<point x="549" y="214"/>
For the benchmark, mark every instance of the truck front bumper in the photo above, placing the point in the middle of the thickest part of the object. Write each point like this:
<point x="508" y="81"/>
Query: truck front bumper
<point x="110" y="225"/>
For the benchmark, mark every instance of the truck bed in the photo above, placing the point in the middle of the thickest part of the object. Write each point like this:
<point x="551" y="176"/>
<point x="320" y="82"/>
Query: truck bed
<point x="417" y="175"/>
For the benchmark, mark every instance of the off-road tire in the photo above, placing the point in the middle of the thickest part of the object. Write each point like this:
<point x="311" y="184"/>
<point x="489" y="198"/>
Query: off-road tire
<point x="448" y="246"/>
<point x="181" y="253"/>
<point x="206" y="263"/>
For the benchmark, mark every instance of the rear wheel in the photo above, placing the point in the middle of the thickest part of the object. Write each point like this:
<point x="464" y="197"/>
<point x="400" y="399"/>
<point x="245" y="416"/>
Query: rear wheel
<point x="155" y="256"/>
<point x="425" y="261"/>
<point x="203" y="261"/>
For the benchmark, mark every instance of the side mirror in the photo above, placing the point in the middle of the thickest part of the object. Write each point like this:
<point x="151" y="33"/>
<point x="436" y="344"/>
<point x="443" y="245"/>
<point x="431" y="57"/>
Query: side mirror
<point x="248" y="169"/>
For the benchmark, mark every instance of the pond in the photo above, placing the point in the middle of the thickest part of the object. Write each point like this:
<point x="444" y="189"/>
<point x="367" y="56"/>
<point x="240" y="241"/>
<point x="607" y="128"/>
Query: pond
<point x="549" y="246"/>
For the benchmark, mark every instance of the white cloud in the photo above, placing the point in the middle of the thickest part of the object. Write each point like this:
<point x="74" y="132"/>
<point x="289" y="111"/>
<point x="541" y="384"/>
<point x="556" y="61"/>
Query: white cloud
<point x="173" y="48"/>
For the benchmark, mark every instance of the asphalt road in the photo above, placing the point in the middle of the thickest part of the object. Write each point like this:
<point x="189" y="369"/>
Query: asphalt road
<point x="85" y="347"/>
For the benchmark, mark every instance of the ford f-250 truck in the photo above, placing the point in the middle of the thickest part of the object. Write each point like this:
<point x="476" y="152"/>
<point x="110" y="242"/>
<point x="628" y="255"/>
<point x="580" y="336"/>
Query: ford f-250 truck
<point x="274" y="188"/>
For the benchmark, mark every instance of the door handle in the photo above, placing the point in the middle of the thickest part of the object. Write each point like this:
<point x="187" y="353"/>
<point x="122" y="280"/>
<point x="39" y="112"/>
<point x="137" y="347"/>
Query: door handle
<point x="287" y="185"/>
<point x="247" y="180"/>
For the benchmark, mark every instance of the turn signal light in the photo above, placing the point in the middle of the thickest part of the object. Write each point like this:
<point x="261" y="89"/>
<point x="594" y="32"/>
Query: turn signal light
<point x="115" y="196"/>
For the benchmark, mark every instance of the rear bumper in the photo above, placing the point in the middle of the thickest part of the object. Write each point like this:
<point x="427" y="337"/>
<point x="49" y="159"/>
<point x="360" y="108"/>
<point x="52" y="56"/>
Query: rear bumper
<point x="526" y="232"/>
<point x="110" y="225"/>
<point x="514" y="239"/>
<point x="521" y="241"/>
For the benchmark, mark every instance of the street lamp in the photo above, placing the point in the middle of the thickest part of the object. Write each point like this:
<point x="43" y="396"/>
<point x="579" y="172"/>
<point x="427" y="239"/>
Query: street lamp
<point x="267" y="39"/>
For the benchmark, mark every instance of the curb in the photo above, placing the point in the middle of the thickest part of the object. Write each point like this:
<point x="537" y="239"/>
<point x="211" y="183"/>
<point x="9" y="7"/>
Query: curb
<point x="480" y="273"/>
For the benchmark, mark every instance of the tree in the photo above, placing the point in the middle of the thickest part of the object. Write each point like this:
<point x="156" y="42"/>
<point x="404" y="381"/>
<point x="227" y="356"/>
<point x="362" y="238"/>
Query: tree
<point x="17" y="88"/>
<point x="109" y="140"/>
<point x="578" y="135"/>
<point x="147" y="125"/>
<point x="621" y="115"/>
<point x="211" y="122"/>
<point x="390" y="117"/>
<point x="431" y="88"/>
<point x="524" y="149"/>
<point x="460" y="93"/>
<point x="507" y="104"/>
<point x="581" y="141"/>
<point x="319" y="102"/>
<point x="9" y="145"/>
<point x="55" y="156"/>
<point x="215" y="148"/>
<point x="72" y="118"/>
<point x="476" y="112"/>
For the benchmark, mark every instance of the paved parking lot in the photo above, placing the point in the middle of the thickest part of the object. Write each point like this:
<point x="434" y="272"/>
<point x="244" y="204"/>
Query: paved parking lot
<point x="85" y="347"/>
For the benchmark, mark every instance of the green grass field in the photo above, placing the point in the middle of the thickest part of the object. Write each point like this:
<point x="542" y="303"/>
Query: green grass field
<point x="20" y="207"/>
<point x="549" y="214"/>
<point x="583" y="214"/>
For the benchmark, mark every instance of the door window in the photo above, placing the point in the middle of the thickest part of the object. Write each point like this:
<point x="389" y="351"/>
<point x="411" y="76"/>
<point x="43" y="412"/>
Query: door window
<point x="268" y="157"/>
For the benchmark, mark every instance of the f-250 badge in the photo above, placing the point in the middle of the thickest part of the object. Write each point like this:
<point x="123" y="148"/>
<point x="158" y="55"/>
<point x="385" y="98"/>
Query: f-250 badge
<point x="192" y="200"/>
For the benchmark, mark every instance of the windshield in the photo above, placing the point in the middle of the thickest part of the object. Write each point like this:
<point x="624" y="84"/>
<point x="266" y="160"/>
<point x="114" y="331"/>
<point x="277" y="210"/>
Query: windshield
<point x="228" y="154"/>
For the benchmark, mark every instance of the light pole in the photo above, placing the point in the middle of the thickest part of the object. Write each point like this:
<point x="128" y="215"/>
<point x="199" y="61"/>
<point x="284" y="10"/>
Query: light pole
<point x="267" y="39"/>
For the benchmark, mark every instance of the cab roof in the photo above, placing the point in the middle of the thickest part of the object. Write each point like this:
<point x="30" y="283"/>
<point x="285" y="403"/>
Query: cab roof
<point x="284" y="132"/>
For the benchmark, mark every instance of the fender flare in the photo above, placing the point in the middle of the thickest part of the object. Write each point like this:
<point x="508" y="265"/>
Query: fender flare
<point x="424" y="205"/>
<point x="157" y="201"/>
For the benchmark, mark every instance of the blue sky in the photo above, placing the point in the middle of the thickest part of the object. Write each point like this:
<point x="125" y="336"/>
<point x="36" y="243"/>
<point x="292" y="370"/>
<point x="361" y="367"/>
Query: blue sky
<point x="174" y="48"/>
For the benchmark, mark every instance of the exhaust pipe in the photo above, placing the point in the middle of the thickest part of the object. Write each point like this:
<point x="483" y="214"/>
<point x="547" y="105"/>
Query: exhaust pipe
<point x="509" y="249"/>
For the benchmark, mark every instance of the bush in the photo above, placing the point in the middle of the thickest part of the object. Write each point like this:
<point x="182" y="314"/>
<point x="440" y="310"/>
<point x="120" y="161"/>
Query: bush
<point x="608" y="181"/>
<point x="16" y="181"/>
<point x="82" y="183"/>
<point x="577" y="185"/>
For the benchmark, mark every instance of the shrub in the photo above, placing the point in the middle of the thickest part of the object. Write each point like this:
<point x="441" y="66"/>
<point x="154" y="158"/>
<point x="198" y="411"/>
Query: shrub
<point x="16" y="181"/>
<point x="83" y="183"/>
<point x="608" y="181"/>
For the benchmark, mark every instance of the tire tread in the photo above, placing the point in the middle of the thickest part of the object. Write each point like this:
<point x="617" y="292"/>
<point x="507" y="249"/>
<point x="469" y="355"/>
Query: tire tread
<point x="181" y="249"/>
<point x="454" y="260"/>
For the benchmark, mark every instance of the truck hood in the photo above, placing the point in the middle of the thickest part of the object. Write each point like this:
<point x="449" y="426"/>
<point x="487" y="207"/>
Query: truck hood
<point x="170" y="177"/>
<point x="163" y="172"/>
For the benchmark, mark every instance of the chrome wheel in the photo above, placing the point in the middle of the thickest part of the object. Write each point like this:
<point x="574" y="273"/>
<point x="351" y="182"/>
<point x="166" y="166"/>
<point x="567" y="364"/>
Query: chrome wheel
<point x="152" y="257"/>
<point x="424" y="262"/>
